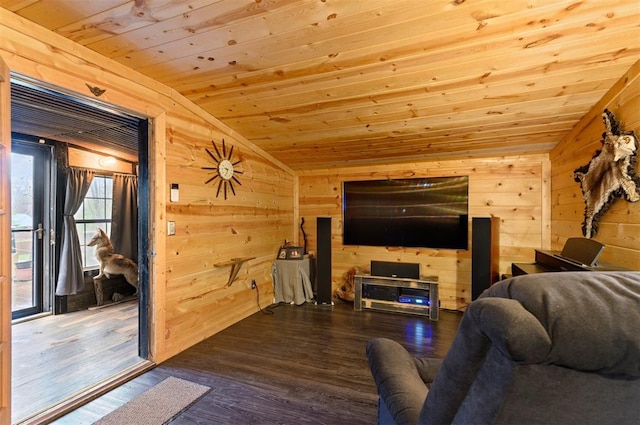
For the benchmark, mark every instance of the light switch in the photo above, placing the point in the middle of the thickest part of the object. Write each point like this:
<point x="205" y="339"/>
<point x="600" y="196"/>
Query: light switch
<point x="175" y="192"/>
<point x="171" y="228"/>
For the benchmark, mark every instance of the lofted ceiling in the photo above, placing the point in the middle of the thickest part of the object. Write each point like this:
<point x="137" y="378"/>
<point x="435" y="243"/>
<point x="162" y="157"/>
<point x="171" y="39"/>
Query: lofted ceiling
<point x="320" y="83"/>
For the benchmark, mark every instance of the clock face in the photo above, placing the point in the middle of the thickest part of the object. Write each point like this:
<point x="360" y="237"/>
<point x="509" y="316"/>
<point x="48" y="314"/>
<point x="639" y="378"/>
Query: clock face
<point x="225" y="169"/>
<point x="226" y="172"/>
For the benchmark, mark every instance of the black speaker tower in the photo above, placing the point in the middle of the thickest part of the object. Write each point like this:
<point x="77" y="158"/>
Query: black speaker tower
<point x="323" y="261"/>
<point x="484" y="254"/>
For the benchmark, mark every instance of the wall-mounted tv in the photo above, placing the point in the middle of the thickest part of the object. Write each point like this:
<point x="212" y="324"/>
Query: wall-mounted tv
<point x="428" y="212"/>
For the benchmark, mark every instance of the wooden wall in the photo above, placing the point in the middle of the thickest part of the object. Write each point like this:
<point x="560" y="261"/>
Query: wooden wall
<point x="619" y="227"/>
<point x="188" y="293"/>
<point x="515" y="189"/>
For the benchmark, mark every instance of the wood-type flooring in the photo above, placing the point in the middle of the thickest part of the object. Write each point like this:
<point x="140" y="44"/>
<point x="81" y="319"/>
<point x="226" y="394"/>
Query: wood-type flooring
<point x="55" y="357"/>
<point x="300" y="365"/>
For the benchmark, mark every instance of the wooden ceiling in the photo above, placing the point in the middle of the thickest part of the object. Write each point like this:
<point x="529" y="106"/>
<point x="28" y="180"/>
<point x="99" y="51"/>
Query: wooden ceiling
<point x="318" y="83"/>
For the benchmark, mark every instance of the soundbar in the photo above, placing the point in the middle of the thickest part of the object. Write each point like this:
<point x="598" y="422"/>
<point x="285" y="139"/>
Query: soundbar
<point x="395" y="269"/>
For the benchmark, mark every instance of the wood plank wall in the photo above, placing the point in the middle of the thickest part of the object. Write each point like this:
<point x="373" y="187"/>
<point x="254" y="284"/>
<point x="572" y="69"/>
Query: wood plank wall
<point x="515" y="189"/>
<point x="619" y="227"/>
<point x="189" y="300"/>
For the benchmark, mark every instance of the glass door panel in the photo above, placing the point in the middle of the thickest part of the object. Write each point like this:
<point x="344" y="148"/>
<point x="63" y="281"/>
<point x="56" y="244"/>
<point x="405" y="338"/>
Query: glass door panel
<point x="28" y="164"/>
<point x="22" y="284"/>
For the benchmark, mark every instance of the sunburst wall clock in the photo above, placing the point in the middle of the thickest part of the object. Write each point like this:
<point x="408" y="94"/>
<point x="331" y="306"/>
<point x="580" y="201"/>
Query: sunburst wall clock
<point x="226" y="170"/>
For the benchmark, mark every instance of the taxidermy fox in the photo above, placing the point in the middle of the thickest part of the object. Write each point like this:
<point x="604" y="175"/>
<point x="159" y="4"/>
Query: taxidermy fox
<point x="112" y="263"/>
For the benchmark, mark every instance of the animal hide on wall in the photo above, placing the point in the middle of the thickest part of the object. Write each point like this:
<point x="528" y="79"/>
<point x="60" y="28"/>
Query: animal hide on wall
<point x="610" y="174"/>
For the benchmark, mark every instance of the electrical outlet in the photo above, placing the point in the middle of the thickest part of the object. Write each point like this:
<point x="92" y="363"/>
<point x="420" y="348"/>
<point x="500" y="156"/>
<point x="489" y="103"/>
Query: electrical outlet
<point x="253" y="284"/>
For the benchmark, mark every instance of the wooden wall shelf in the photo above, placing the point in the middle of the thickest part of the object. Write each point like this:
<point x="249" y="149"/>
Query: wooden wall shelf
<point x="236" y="264"/>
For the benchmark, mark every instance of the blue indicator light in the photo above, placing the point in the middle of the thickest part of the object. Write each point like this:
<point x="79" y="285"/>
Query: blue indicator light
<point x="413" y="300"/>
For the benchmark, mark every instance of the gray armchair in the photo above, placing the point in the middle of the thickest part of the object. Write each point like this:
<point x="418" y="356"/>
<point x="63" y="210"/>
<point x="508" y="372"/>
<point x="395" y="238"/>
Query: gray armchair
<point x="551" y="348"/>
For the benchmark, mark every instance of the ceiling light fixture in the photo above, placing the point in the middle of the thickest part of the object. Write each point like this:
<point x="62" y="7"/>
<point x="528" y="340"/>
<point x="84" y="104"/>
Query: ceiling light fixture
<point x="107" y="161"/>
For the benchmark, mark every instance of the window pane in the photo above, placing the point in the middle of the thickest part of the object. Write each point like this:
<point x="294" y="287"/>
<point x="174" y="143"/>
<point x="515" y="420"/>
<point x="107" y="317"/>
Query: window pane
<point x="95" y="209"/>
<point x="108" y="187"/>
<point x="93" y="190"/>
<point x="94" y="213"/>
<point x="21" y="191"/>
<point x="96" y="190"/>
<point x="79" y="215"/>
<point x="91" y="260"/>
<point x="82" y="239"/>
<point x="92" y="229"/>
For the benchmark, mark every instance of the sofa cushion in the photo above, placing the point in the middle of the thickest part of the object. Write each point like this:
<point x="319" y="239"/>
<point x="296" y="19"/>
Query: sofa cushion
<point x="592" y="317"/>
<point x="548" y="394"/>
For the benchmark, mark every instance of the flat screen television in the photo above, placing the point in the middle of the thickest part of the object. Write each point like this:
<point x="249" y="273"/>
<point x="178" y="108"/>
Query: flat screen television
<point x="428" y="212"/>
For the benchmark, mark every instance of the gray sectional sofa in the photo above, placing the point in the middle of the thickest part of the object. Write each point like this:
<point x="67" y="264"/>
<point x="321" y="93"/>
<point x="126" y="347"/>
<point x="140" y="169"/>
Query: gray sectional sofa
<point x="551" y="348"/>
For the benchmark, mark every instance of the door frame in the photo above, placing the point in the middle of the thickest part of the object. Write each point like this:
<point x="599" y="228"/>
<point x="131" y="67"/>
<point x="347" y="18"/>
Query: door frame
<point x="155" y="171"/>
<point x="144" y="198"/>
<point x="5" y="243"/>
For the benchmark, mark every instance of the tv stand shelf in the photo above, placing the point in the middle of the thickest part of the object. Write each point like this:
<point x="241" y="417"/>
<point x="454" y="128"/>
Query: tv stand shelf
<point x="397" y="295"/>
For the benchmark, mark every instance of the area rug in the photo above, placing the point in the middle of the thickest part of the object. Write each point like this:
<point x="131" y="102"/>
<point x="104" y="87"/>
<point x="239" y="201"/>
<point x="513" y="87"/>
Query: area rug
<point x="158" y="405"/>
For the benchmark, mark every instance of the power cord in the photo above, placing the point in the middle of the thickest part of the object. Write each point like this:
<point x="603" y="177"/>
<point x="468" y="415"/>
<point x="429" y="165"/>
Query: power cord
<point x="268" y="309"/>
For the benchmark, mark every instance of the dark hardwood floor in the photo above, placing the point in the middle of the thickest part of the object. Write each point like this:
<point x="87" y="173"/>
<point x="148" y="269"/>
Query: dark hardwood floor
<point x="301" y="365"/>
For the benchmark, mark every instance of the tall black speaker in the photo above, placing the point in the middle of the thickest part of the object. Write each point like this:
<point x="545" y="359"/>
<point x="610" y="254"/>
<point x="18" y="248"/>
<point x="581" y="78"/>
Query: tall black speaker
<point x="484" y="254"/>
<point x="323" y="261"/>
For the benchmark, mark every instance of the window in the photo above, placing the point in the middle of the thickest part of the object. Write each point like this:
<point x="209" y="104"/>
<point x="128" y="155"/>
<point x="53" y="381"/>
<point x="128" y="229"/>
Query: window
<point x="94" y="213"/>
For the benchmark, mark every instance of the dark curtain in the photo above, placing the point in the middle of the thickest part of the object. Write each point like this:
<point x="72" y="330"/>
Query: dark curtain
<point x="124" y="216"/>
<point x="71" y="277"/>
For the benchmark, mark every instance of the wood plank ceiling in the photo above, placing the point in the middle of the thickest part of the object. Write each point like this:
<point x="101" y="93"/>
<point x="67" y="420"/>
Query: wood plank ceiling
<point x="321" y="83"/>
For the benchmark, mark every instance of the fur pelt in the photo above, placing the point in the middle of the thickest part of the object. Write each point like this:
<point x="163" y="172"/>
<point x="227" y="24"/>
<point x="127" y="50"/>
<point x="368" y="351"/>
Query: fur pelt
<point x="112" y="263"/>
<point x="347" y="291"/>
<point x="610" y="174"/>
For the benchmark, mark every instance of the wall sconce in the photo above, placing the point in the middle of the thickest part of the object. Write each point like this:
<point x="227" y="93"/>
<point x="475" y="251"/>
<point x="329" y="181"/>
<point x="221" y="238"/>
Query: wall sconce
<point x="107" y="161"/>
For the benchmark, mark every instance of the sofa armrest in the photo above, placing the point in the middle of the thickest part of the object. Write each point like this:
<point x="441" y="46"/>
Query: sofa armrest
<point x="398" y="380"/>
